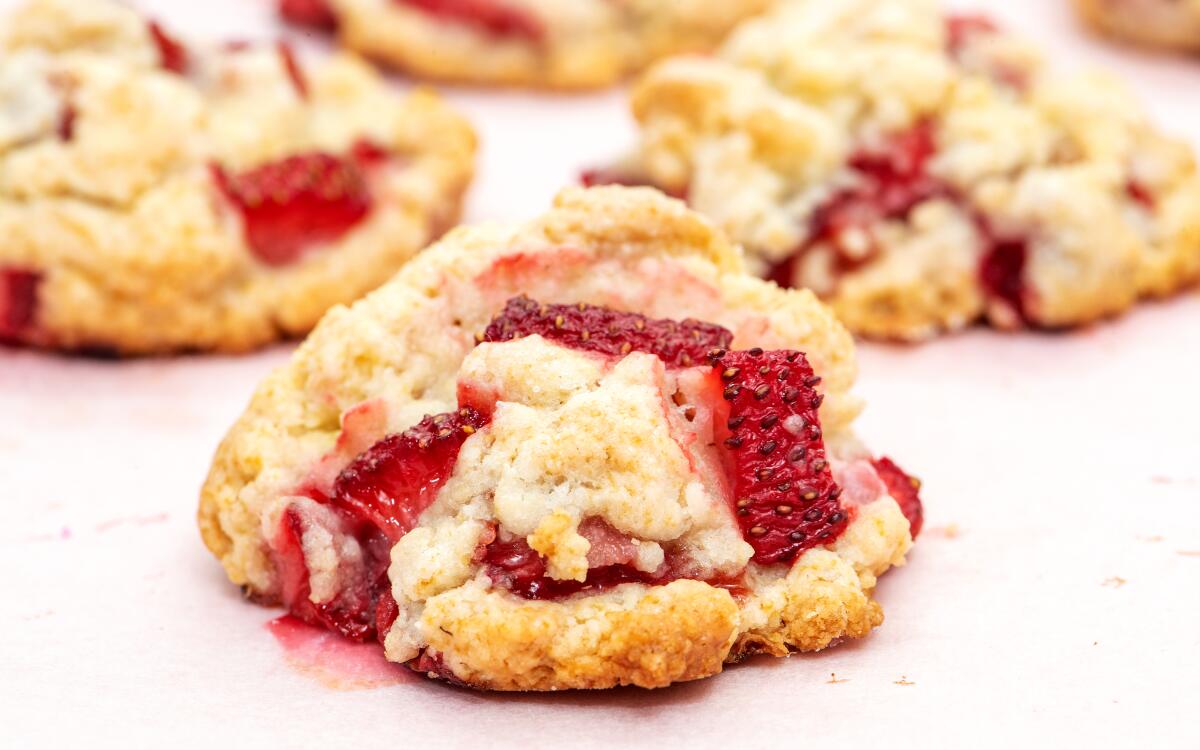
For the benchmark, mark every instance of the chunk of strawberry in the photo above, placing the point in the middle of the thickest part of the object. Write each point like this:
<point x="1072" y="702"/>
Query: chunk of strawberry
<point x="312" y="13"/>
<point x="292" y="66"/>
<point x="893" y="180"/>
<point x="514" y="565"/>
<point x="492" y="16"/>
<point x="353" y="612"/>
<point x="66" y="122"/>
<point x="172" y="55"/>
<point x="1002" y="275"/>
<point x="432" y="665"/>
<point x="290" y="205"/>
<point x="961" y="28"/>
<point x="905" y="490"/>
<point x="18" y="301"/>
<point x="395" y="480"/>
<point x="612" y="332"/>
<point x="785" y="497"/>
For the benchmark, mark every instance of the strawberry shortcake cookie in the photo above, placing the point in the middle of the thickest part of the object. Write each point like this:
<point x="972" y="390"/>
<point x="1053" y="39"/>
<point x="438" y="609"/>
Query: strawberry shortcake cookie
<point x="1167" y="24"/>
<point x="570" y="44"/>
<point x="159" y="196"/>
<point x="920" y="171"/>
<point x="584" y="452"/>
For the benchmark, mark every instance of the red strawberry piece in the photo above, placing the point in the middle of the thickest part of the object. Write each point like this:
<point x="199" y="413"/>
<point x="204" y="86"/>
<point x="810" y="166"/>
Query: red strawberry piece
<point x="961" y="28"/>
<point x="434" y="666"/>
<point x="1140" y="193"/>
<point x="312" y="13"/>
<point x="300" y="201"/>
<point x="513" y="565"/>
<point x="294" y="71"/>
<point x="893" y="181"/>
<point x="18" y="301"/>
<point x="353" y="611"/>
<point x="386" y="611"/>
<point x="172" y="55"/>
<point x="368" y="153"/>
<point x="1002" y="273"/>
<point x="492" y="16"/>
<point x="786" y="500"/>
<point x="395" y="480"/>
<point x="605" y="331"/>
<point x="905" y="490"/>
<point x="66" y="122"/>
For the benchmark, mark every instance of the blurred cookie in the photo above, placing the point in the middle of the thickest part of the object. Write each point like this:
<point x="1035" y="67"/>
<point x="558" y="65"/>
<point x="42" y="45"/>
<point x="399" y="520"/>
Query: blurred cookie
<point x="158" y="196"/>
<point x="639" y="464"/>
<point x="568" y="44"/>
<point x="921" y="172"/>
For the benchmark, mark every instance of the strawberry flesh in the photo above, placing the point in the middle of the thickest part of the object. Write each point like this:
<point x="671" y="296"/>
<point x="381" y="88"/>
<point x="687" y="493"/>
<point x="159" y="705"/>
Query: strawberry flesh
<point x="1002" y="273"/>
<point x="517" y="567"/>
<point x="292" y="67"/>
<point x="492" y="16"/>
<point x="905" y="490"/>
<point x="18" y="301"/>
<point x="172" y="55"/>
<point x="353" y="611"/>
<point x="785" y="497"/>
<point x="962" y="28"/>
<point x="609" y="332"/>
<point x="292" y="204"/>
<point x="893" y="181"/>
<point x="395" y="480"/>
<point x="311" y="13"/>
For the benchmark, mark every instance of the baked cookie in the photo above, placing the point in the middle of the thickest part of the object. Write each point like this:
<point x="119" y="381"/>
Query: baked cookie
<point x="1167" y="24"/>
<point x="921" y="172"/>
<point x="565" y="44"/>
<point x="157" y="197"/>
<point x="616" y="487"/>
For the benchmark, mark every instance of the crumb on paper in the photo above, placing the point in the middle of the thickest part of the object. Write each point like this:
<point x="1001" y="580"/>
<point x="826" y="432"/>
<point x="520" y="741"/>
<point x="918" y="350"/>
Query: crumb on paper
<point x="1151" y="538"/>
<point x="903" y="681"/>
<point x="1115" y="582"/>
<point x="1189" y="552"/>
<point x="834" y="679"/>
<point x="948" y="531"/>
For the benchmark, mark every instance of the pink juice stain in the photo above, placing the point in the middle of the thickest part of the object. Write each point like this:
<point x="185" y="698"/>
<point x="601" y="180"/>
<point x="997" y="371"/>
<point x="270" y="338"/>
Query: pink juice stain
<point x="336" y="662"/>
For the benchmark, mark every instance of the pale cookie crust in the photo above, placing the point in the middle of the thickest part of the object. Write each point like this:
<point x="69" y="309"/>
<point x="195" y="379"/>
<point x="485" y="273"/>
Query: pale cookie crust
<point x="579" y="44"/>
<point x="136" y="248"/>
<point x="764" y="137"/>
<point x="378" y="366"/>
<point x="1165" y="24"/>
